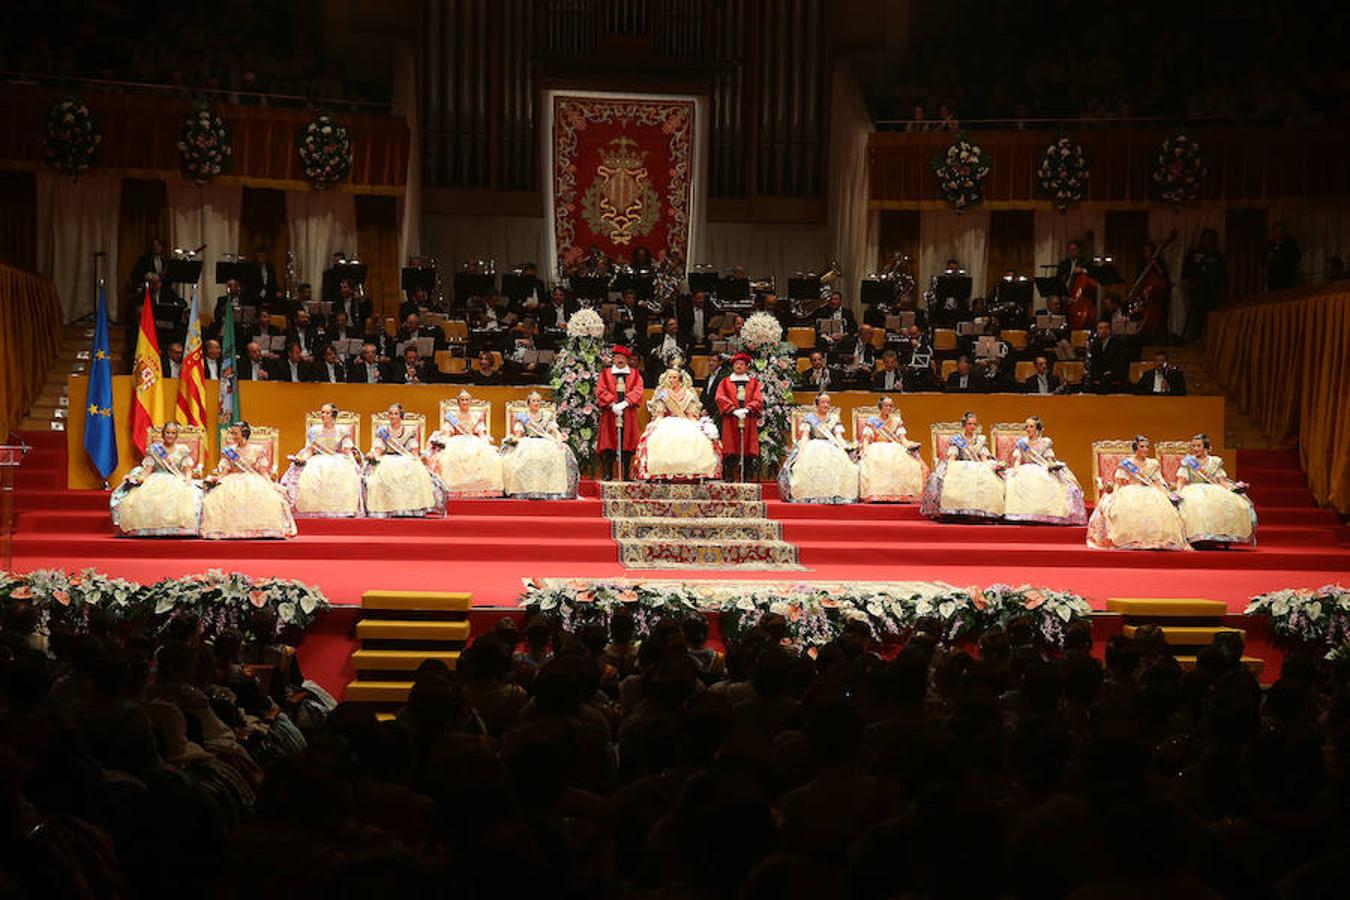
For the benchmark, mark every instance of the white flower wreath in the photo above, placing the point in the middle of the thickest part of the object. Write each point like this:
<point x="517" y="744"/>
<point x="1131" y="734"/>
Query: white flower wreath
<point x="586" y="323"/>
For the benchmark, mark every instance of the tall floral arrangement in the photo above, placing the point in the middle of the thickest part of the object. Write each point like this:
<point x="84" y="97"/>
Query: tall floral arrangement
<point x="574" y="376"/>
<point x="961" y="170"/>
<point x="325" y="151"/>
<point x="204" y="147"/>
<point x="73" y="137"/>
<point x="1063" y="172"/>
<point x="1178" y="170"/>
<point x="260" y="607"/>
<point x="773" y="361"/>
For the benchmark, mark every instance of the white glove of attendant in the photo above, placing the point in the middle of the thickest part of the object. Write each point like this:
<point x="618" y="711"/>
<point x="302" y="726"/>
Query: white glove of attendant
<point x="619" y="407"/>
<point x="741" y="413"/>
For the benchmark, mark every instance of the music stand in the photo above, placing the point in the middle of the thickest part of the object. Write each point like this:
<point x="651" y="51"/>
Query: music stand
<point x="353" y="272"/>
<point x="804" y="287"/>
<point x="705" y="282"/>
<point x="640" y="281"/>
<point x="733" y="290"/>
<point x="414" y="278"/>
<point x="1106" y="273"/>
<point x="874" y="291"/>
<point x="236" y="270"/>
<point x="1018" y="292"/>
<point x="183" y="271"/>
<point x="473" y="284"/>
<point x="589" y="287"/>
<point x="956" y="287"/>
<point x="1051" y="286"/>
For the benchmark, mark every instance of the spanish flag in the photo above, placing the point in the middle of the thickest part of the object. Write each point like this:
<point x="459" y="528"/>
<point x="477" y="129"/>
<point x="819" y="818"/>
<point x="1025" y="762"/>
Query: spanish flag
<point x="192" y="376"/>
<point x="147" y="379"/>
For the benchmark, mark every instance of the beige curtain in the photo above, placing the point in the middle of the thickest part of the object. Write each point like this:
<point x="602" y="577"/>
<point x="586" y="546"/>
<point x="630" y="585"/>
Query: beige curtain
<point x="508" y="239"/>
<point x="1054" y="230"/>
<point x="1188" y="223"/>
<point x="944" y="234"/>
<point x="75" y="220"/>
<point x="206" y="214"/>
<point x="320" y="223"/>
<point x="405" y="104"/>
<point x="853" y="226"/>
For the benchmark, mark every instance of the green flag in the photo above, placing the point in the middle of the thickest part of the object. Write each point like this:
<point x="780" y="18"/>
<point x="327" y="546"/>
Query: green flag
<point x="229" y="379"/>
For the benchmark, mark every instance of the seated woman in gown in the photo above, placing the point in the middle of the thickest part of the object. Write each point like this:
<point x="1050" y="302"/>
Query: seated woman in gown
<point x="1040" y="488"/>
<point x="680" y="443"/>
<point x="1214" y="508"/>
<point x="537" y="464"/>
<point x="244" y="502"/>
<point x="966" y="482"/>
<point x="396" y="481"/>
<point x="1138" y="512"/>
<point x="324" y="478"/>
<point x="461" y="452"/>
<point x="159" y="498"/>
<point x="890" y="470"/>
<point x="819" y="469"/>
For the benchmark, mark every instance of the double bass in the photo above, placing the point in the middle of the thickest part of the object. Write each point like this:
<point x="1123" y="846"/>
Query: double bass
<point x="1146" y="302"/>
<point x="1082" y="302"/>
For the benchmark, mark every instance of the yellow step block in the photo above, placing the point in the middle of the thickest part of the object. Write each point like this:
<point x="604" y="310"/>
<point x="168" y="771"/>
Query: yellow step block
<point x="401" y="660"/>
<point x="423" y="601"/>
<point x="385" y="717"/>
<point x="378" y="691"/>
<point x="411" y="630"/>
<point x="1187" y="635"/>
<point x="1166" y="607"/>
<point x="1253" y="664"/>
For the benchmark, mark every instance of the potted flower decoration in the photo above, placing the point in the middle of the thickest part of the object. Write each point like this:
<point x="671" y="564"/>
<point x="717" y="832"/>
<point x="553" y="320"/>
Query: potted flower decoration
<point x="204" y="147"/>
<point x="1063" y="172"/>
<point x="73" y="137"/>
<point x="961" y="170"/>
<point x="1178" y="170"/>
<point x="325" y="151"/>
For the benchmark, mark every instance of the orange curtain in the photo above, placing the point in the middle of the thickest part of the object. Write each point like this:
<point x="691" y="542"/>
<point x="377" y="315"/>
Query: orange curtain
<point x="377" y="227"/>
<point x="262" y="225"/>
<point x="30" y="332"/>
<point x="1286" y="361"/>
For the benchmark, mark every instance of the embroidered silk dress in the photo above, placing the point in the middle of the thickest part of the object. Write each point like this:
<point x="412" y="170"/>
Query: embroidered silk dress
<point x="818" y="469"/>
<point x="324" y="481"/>
<point x="965" y="483"/>
<point x="538" y="464"/>
<point x="244" y="503"/>
<point x="1039" y="488"/>
<point x="159" y="497"/>
<point x="1137" y="514"/>
<point x="396" y="481"/>
<point x="1211" y="511"/>
<point x="679" y="443"/>
<point x="464" y="458"/>
<point x="889" y="471"/>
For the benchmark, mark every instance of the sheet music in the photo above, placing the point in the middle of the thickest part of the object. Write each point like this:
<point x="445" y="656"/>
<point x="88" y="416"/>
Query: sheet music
<point x="829" y="326"/>
<point x="349" y="346"/>
<point x="1046" y="322"/>
<point x="425" y="346"/>
<point x="276" y="343"/>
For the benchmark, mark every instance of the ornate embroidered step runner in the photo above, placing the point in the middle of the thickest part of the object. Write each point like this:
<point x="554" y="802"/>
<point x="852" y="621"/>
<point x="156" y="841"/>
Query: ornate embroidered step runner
<point x="713" y="525"/>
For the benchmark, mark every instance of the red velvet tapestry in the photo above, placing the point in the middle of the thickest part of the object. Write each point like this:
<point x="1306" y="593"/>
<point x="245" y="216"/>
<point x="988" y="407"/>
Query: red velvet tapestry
<point x="622" y="176"/>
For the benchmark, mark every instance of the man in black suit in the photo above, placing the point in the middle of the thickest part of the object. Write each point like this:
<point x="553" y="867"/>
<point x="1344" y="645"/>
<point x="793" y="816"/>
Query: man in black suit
<point x="695" y="319"/>
<point x="358" y="309"/>
<point x="530" y="295"/>
<point x="211" y="360"/>
<point x="330" y="369"/>
<point x="964" y="380"/>
<point x="171" y="310"/>
<point x="662" y="349"/>
<point x="412" y="329"/>
<point x="836" y="312"/>
<point x="263" y="278"/>
<point x="718" y="368"/>
<point x="172" y="363"/>
<point x="1163" y="378"/>
<point x="889" y="380"/>
<point x="558" y="310"/>
<point x="1108" y="367"/>
<point x="1043" y="381"/>
<point x="329" y="286"/>
<point x="367" y="369"/>
<point x="292" y="367"/>
<point x="253" y="367"/>
<point x="310" y="337"/>
<point x="154" y="259"/>
<point x="819" y="377"/>
<point x="1074" y="261"/>
<point x="861" y="356"/>
<point x="234" y="297"/>
<point x="411" y="370"/>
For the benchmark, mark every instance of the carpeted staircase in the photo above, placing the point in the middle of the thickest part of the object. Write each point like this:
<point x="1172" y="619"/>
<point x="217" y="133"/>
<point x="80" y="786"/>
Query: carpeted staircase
<point x="711" y="525"/>
<point x="1188" y="624"/>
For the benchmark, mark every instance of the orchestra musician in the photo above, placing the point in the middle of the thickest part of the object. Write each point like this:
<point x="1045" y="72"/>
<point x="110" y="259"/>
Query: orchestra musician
<point x="1042" y="381"/>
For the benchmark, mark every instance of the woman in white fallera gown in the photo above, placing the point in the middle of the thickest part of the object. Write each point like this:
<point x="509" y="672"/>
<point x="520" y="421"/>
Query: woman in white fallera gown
<point x="397" y="482"/>
<point x="244" y="503"/>
<point x="890" y="470"/>
<point x="1214" y="508"/>
<point x="966" y="483"/>
<point x="680" y="443"/>
<point x="160" y="498"/>
<point x="1040" y="488"/>
<point x="324" y="478"/>
<point x="462" y="455"/>
<point x="537" y="464"/>
<point x="1138" y="510"/>
<point x="819" y="468"/>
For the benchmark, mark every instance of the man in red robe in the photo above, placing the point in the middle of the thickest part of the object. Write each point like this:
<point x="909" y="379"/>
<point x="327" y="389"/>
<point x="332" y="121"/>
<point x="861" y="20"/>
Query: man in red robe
<point x="619" y="393"/>
<point x="741" y="400"/>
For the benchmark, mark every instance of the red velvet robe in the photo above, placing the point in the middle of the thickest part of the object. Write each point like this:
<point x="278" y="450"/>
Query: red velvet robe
<point x="731" y="428"/>
<point x="607" y="393"/>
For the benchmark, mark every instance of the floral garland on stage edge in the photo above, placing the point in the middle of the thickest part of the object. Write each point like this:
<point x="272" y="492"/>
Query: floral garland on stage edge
<point x="1063" y="172"/>
<point x="813" y="616"/>
<point x="73" y="137"/>
<point x="204" y="147"/>
<point x="574" y="375"/>
<point x="223" y="600"/>
<point x="774" y="364"/>
<point x="325" y="151"/>
<point x="1178" y="170"/>
<point x="1307" y="615"/>
<point x="961" y="170"/>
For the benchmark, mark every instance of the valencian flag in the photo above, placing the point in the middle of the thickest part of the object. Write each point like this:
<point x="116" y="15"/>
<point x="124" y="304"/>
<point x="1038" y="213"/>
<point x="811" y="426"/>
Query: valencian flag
<point x="192" y="375"/>
<point x="100" y="439"/>
<point x="229" y="380"/>
<point x="147" y="379"/>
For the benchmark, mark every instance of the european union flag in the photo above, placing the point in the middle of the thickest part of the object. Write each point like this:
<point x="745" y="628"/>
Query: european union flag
<point x="100" y="440"/>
